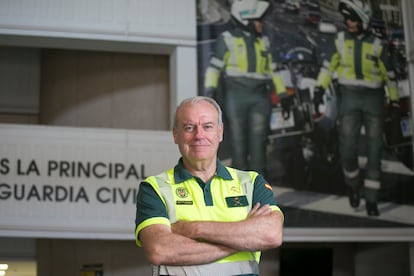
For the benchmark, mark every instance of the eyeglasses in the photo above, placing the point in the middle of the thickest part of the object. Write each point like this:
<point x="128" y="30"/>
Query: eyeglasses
<point x="352" y="18"/>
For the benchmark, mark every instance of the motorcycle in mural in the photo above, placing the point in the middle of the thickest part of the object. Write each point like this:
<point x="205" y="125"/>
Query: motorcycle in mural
<point x="311" y="130"/>
<point x="398" y="134"/>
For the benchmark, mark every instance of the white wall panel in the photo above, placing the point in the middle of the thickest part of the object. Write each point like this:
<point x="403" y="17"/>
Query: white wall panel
<point x="155" y="21"/>
<point x="183" y="76"/>
<point x="44" y="193"/>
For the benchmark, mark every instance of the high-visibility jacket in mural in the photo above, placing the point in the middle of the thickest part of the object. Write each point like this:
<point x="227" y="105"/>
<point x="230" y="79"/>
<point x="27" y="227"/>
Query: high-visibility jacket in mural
<point x="240" y="54"/>
<point x="359" y="62"/>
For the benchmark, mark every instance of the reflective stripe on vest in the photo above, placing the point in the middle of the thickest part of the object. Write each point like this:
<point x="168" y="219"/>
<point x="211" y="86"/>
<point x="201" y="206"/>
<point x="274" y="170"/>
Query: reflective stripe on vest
<point x="236" y="264"/>
<point x="213" y="73"/>
<point x="213" y="269"/>
<point x="340" y="45"/>
<point x="375" y="73"/>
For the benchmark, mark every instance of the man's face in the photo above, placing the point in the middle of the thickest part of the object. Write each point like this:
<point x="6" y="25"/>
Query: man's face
<point x="258" y="26"/>
<point x="198" y="133"/>
<point x="352" y="22"/>
<point x="352" y="25"/>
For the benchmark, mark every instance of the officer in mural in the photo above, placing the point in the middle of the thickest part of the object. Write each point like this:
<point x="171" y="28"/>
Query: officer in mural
<point x="360" y="60"/>
<point x="243" y="57"/>
<point x="201" y="217"/>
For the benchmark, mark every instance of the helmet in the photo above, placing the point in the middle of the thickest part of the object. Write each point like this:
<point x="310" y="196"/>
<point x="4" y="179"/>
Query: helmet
<point x="244" y="11"/>
<point x="356" y="9"/>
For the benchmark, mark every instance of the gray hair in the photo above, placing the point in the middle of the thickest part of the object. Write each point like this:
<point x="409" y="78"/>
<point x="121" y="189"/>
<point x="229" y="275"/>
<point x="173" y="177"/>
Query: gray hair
<point x="195" y="100"/>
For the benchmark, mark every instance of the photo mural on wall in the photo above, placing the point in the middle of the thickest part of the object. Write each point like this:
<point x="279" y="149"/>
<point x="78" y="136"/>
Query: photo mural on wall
<point x="304" y="159"/>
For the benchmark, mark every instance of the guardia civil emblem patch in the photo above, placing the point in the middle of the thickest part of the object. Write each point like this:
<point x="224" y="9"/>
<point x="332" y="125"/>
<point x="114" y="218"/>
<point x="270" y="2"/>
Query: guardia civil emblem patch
<point x="181" y="192"/>
<point x="236" y="201"/>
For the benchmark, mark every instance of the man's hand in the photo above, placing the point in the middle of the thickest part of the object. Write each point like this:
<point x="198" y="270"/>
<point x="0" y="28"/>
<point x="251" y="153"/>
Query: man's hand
<point x="239" y="235"/>
<point x="395" y="111"/>
<point x="394" y="133"/>
<point x="189" y="229"/>
<point x="318" y="92"/>
<point x="258" y="210"/>
<point x="162" y="247"/>
<point x="286" y="102"/>
<point x="395" y="105"/>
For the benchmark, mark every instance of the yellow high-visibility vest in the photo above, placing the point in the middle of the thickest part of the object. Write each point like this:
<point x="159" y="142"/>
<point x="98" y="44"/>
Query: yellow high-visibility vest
<point x="358" y="65"/>
<point x="232" y="202"/>
<point x="235" y="62"/>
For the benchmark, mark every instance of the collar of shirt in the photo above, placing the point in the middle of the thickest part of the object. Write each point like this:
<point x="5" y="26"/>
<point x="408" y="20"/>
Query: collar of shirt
<point x="181" y="174"/>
